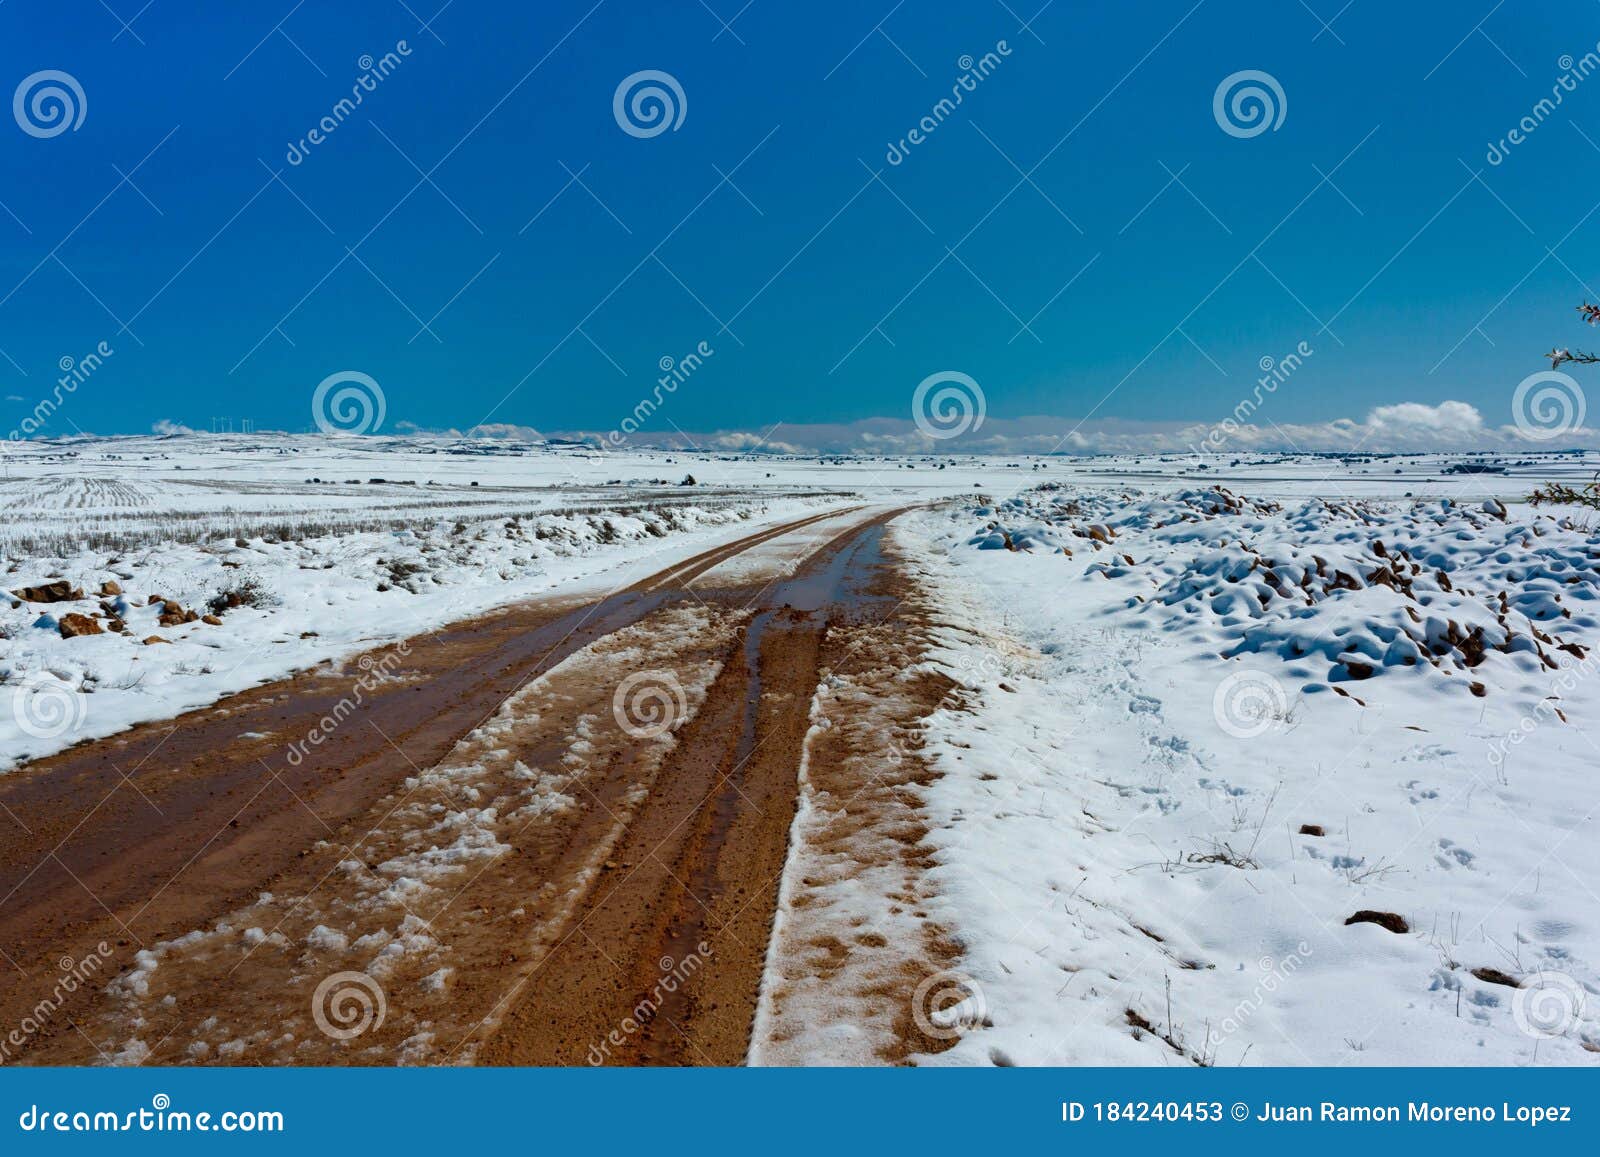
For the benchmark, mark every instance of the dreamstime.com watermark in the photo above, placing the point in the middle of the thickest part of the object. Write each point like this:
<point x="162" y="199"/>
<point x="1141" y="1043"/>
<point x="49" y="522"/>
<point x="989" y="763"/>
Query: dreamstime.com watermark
<point x="648" y="704"/>
<point x="160" y="1117"/>
<point x="48" y="103"/>
<point x="1548" y="404"/>
<point x="1561" y="687"/>
<point x="973" y="73"/>
<point x="674" y="372"/>
<point x="1573" y="73"/>
<point x="1274" y="974"/>
<point x="348" y="1004"/>
<point x="1548" y="1005"/>
<point x="1274" y="373"/>
<point x="674" y="975"/>
<point x="648" y="103"/>
<point x="1248" y="704"/>
<point x="45" y="707"/>
<point x="948" y="404"/>
<point x="374" y="672"/>
<point x="74" y="372"/>
<point x="348" y="402"/>
<point x="1248" y="103"/>
<point x="373" y="73"/>
<point x="947" y="1004"/>
<point x="71" y="976"/>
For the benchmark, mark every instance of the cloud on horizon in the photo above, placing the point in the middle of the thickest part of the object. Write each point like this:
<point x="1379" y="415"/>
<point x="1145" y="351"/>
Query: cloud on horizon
<point x="1406" y="426"/>
<point x="167" y="428"/>
<point x="1447" y="427"/>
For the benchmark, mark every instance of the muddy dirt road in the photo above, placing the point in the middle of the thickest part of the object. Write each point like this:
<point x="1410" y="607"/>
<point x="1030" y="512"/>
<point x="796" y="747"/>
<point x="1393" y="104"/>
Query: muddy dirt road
<point x="554" y="835"/>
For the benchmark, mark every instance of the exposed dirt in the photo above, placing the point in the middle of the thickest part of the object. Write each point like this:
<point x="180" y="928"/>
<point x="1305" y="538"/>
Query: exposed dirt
<point x="147" y="834"/>
<point x="856" y="960"/>
<point x="521" y="872"/>
<point x="663" y="965"/>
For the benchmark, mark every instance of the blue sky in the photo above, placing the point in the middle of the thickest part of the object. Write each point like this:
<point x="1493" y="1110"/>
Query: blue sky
<point x="1080" y="235"/>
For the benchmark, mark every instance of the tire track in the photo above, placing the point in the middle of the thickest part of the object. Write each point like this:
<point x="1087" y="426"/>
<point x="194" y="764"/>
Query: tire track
<point x="552" y="887"/>
<point x="159" y="830"/>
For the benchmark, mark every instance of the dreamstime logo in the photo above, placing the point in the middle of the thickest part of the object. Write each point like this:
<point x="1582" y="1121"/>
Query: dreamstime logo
<point x="946" y="1003"/>
<point x="1548" y="1004"/>
<point x="74" y="372"/>
<point x="1547" y="405"/>
<point x="1573" y="73"/>
<point x="973" y="73"/>
<point x="952" y="411"/>
<point x="48" y="103"/>
<point x="674" y="975"/>
<point x="72" y="975"/>
<point x="46" y="708"/>
<point x="1248" y="103"/>
<point x="373" y="73"/>
<point x="1274" y="974"/>
<point x="1561" y="688"/>
<point x="156" y="1119"/>
<point x="348" y="1004"/>
<point x="357" y="408"/>
<point x="1274" y="373"/>
<point x="648" y="103"/>
<point x="982" y="665"/>
<point x="674" y="372"/>
<point x="649" y="703"/>
<point x="374" y="673"/>
<point x="1250" y="703"/>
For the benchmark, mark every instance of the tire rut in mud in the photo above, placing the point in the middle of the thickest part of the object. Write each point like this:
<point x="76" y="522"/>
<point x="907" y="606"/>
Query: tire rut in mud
<point x="859" y="962"/>
<point x="663" y="964"/>
<point x="665" y="961"/>
<point x="629" y="925"/>
<point x="126" y="841"/>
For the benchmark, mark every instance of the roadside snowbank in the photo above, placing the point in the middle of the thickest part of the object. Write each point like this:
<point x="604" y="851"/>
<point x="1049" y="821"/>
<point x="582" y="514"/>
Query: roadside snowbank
<point x="281" y="606"/>
<point x="1229" y="728"/>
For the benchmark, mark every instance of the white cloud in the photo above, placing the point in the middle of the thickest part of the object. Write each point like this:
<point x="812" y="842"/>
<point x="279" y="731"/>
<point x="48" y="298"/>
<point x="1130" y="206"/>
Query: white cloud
<point x="1402" y="426"/>
<point x="1454" y="417"/>
<point x="1419" y="427"/>
<point x="750" y="443"/>
<point x="506" y="430"/>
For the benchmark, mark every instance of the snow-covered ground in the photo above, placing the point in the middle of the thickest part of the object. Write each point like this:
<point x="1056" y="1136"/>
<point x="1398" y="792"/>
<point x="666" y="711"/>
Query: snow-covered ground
<point x="1174" y="667"/>
<point x="250" y="558"/>
<point x="1212" y="728"/>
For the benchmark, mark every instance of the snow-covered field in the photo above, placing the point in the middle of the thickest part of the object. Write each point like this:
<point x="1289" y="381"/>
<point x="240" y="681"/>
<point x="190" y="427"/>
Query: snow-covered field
<point x="1216" y="709"/>
<point x="251" y="558"/>
<point x="1213" y="728"/>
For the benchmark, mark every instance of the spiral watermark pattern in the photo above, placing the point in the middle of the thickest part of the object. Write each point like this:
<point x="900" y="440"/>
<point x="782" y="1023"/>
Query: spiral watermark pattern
<point x="649" y="703"/>
<point x="1248" y="103"/>
<point x="948" y="1003"/>
<point x="1548" y="1004"/>
<point x="46" y="708"/>
<point x="348" y="402"/>
<point x="1548" y="404"/>
<point x="1250" y="703"/>
<point x="648" y="103"/>
<point x="48" y="103"/>
<point x="347" y="1004"/>
<point x="948" y="404"/>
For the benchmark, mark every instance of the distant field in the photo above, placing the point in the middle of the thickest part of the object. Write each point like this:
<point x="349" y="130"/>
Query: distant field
<point x="59" y="502"/>
<point x="58" y="517"/>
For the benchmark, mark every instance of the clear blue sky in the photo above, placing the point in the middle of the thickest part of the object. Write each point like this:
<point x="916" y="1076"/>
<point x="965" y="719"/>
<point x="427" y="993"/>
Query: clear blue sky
<point x="221" y="289"/>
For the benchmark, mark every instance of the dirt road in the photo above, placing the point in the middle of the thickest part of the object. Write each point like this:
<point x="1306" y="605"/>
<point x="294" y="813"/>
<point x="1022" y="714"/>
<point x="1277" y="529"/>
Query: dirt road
<point x="553" y="835"/>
